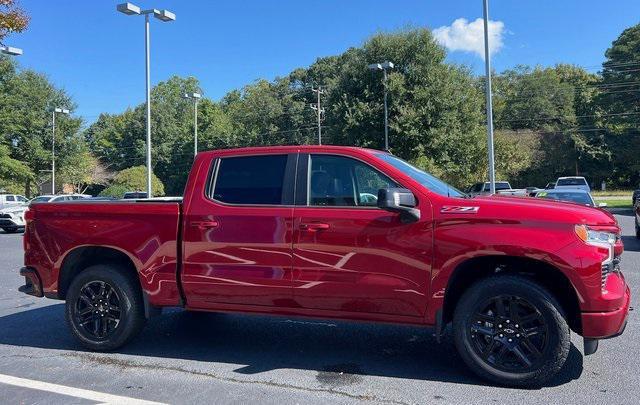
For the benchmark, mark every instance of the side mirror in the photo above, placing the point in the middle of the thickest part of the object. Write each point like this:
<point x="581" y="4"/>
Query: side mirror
<point x="399" y="200"/>
<point x="602" y="205"/>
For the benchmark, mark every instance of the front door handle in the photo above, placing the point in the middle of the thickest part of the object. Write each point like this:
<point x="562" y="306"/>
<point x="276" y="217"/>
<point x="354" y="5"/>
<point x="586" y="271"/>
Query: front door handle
<point x="205" y="224"/>
<point x="314" y="226"/>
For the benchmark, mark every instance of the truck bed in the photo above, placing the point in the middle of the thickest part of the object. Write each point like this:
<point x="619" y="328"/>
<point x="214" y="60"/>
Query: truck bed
<point x="146" y="231"/>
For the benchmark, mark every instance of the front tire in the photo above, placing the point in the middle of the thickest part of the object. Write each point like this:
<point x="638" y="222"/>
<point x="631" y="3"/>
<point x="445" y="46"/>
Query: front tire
<point x="510" y="330"/>
<point x="104" y="307"/>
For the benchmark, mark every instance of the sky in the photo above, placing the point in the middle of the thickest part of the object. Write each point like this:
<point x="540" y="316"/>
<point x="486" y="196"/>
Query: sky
<point x="97" y="54"/>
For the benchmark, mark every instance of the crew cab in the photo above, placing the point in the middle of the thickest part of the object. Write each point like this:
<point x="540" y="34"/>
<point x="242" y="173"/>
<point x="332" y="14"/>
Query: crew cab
<point x="343" y="233"/>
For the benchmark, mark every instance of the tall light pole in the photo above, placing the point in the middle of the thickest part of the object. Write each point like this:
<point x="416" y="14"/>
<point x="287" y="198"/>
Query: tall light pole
<point x="53" y="145"/>
<point x="9" y="50"/>
<point x="195" y="97"/>
<point x="384" y="66"/>
<point x="487" y="64"/>
<point x="165" y="16"/>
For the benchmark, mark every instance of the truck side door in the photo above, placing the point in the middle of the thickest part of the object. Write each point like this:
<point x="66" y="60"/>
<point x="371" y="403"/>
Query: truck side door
<point x="237" y="235"/>
<point x="350" y="257"/>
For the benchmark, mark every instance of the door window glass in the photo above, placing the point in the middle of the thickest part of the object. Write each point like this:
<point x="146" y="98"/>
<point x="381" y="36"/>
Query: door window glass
<point x="344" y="182"/>
<point x="251" y="180"/>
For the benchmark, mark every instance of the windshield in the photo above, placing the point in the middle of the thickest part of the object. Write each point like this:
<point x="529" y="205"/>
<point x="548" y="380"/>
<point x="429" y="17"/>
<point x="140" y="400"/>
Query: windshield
<point x="580" y="198"/>
<point x="572" y="182"/>
<point x="431" y="182"/>
<point x="501" y="185"/>
<point x="41" y="199"/>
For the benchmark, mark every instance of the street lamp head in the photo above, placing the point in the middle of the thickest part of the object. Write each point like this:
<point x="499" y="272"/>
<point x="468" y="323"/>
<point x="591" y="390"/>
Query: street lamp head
<point x="61" y="110"/>
<point x="9" y="50"/>
<point x="192" y="95"/>
<point x="164" y="15"/>
<point x="128" y="9"/>
<point x="381" y="66"/>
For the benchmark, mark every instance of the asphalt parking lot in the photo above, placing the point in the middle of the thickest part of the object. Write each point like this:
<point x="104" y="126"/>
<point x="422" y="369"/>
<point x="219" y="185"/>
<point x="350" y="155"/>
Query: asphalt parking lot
<point x="192" y="358"/>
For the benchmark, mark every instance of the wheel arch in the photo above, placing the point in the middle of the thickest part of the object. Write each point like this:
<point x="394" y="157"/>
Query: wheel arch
<point x="83" y="257"/>
<point x="553" y="279"/>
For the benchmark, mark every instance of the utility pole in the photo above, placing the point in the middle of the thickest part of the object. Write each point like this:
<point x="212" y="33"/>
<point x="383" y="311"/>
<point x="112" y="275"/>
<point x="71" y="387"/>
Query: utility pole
<point x="384" y="66"/>
<point x="487" y="60"/>
<point x="320" y="112"/>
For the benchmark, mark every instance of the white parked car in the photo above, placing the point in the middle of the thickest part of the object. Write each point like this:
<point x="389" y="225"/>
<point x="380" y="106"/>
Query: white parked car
<point x="12" y="218"/>
<point x="574" y="182"/>
<point x="9" y="200"/>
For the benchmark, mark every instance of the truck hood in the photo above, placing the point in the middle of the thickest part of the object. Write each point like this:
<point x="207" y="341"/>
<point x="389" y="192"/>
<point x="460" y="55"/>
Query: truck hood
<point x="529" y="208"/>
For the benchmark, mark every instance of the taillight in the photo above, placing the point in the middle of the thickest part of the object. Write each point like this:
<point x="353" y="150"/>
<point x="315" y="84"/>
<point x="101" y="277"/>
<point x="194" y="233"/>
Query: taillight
<point x="29" y="215"/>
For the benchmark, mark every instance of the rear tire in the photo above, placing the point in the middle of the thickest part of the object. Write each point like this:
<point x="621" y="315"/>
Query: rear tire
<point x="511" y="331"/>
<point x="104" y="307"/>
<point x="10" y="230"/>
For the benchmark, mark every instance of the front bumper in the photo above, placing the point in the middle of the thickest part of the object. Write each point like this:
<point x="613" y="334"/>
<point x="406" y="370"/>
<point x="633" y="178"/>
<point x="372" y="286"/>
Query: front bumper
<point x="32" y="284"/>
<point x="11" y="223"/>
<point x="602" y="325"/>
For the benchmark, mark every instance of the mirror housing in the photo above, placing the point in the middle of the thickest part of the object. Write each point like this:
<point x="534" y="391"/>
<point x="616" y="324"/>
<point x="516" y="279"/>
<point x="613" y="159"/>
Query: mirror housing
<point x="400" y="200"/>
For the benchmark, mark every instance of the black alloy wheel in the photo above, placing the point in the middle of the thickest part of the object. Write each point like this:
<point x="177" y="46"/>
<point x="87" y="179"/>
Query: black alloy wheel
<point x="511" y="330"/>
<point x="105" y="306"/>
<point x="509" y="333"/>
<point x="98" y="309"/>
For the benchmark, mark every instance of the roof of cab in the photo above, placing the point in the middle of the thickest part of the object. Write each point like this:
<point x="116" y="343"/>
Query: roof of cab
<point x="287" y="149"/>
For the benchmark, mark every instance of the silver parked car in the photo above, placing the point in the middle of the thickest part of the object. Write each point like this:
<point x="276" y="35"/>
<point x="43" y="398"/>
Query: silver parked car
<point x="578" y="196"/>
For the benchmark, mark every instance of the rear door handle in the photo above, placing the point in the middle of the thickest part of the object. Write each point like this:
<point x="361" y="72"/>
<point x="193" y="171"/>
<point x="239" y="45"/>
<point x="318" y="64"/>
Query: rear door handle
<point x="314" y="226"/>
<point x="205" y="224"/>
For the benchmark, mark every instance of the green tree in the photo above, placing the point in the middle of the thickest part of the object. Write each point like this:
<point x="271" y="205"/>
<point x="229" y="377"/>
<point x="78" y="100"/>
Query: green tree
<point x="620" y="95"/>
<point x="133" y="179"/>
<point x="13" y="173"/>
<point x="27" y="99"/>
<point x="81" y="169"/>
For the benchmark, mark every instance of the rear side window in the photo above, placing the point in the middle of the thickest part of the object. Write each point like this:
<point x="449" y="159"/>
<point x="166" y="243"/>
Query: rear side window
<point x="502" y="186"/>
<point x="10" y="198"/>
<point x="251" y="180"/>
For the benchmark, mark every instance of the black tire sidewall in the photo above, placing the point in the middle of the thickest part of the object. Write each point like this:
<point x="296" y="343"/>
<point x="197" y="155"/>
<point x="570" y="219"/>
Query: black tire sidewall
<point x="559" y="334"/>
<point x="131" y="306"/>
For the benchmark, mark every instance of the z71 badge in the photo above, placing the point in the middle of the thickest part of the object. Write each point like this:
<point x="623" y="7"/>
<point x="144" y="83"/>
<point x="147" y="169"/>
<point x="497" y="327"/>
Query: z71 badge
<point x="451" y="209"/>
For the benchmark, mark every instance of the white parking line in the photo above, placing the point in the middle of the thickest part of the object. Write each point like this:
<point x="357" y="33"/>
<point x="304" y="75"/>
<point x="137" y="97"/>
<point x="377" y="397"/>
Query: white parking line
<point x="71" y="391"/>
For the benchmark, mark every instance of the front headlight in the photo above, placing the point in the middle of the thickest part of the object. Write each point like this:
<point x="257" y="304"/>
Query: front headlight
<point x="593" y="237"/>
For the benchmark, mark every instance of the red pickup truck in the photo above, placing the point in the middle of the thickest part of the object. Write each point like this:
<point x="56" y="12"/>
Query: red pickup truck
<point x="343" y="233"/>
